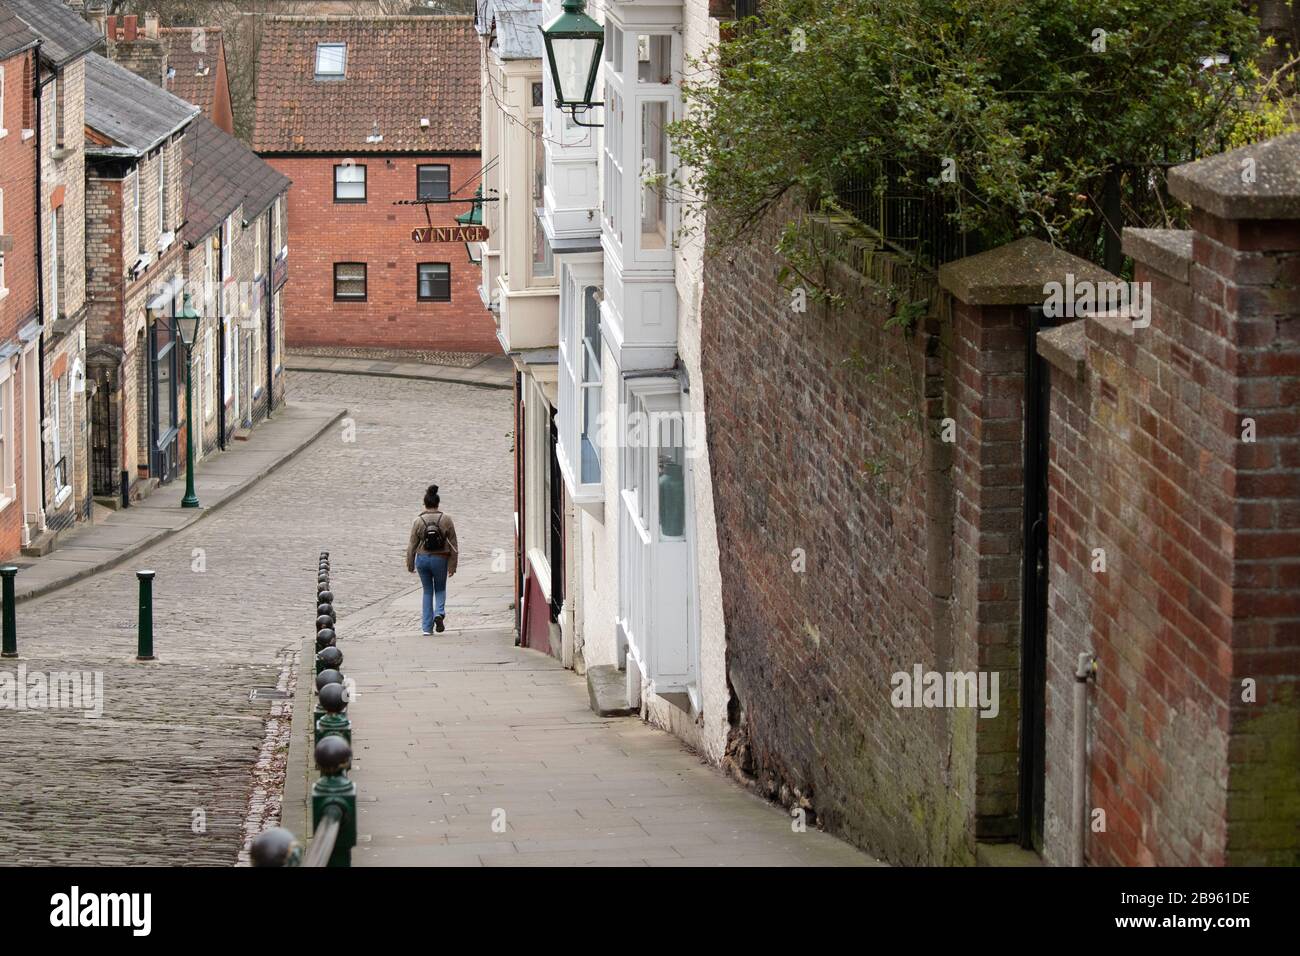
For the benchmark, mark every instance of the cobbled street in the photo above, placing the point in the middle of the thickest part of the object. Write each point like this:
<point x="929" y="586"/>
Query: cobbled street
<point x="165" y="775"/>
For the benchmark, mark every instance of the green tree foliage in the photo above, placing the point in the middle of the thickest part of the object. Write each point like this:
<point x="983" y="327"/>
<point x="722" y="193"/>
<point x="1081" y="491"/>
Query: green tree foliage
<point x="1029" y="103"/>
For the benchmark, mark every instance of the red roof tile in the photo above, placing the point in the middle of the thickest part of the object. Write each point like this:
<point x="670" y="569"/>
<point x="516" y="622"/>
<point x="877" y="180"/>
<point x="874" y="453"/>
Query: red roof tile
<point x="196" y="70"/>
<point x="399" y="69"/>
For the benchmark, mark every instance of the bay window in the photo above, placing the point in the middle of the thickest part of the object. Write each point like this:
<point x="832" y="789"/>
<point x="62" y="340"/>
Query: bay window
<point x="641" y="99"/>
<point x="657" y="617"/>
<point x="581" y="380"/>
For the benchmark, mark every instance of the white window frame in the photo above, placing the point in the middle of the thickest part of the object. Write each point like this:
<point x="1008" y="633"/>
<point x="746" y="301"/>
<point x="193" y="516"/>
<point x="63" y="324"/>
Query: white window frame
<point x="578" y="275"/>
<point x="658" y="616"/>
<point x="622" y="188"/>
<point x="342" y="72"/>
<point x="209" y="373"/>
<point x="258" y="358"/>
<point x="61" y="492"/>
<point x="3" y="132"/>
<point x="139" y="210"/>
<point x="8" y="486"/>
<point x="54" y="264"/>
<point x="4" y="289"/>
<point x="351" y="178"/>
<point x="162" y="194"/>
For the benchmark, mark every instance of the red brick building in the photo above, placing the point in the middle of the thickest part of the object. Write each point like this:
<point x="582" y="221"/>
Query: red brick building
<point x="19" y="305"/>
<point x="363" y="113"/>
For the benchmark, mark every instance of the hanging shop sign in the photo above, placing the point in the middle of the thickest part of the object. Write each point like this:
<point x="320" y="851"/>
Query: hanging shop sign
<point x="450" y="234"/>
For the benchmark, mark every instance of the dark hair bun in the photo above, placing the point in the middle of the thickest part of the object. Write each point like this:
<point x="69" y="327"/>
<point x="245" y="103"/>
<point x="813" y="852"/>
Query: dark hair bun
<point x="433" y="489"/>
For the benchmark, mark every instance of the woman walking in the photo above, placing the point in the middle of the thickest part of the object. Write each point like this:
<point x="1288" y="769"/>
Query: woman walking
<point x="432" y="552"/>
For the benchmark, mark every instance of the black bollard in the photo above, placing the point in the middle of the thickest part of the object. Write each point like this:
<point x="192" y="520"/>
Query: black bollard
<point x="145" y="632"/>
<point x="10" y="642"/>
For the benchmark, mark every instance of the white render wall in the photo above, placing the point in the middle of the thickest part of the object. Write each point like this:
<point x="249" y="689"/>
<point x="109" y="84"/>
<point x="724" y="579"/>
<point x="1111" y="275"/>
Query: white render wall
<point x="708" y="734"/>
<point x="598" y="534"/>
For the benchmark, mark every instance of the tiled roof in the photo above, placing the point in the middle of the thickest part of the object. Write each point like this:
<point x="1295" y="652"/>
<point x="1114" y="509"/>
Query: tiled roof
<point x="399" y="70"/>
<point x="221" y="173"/>
<point x="64" y="35"/>
<point x="14" y="35"/>
<point x="132" y="112"/>
<point x="196" y="70"/>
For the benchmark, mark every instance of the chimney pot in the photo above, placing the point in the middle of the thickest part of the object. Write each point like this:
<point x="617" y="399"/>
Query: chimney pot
<point x="131" y="24"/>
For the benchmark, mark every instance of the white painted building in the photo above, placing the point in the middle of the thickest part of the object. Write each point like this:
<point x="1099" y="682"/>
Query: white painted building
<point x="519" y="286"/>
<point x="645" y="592"/>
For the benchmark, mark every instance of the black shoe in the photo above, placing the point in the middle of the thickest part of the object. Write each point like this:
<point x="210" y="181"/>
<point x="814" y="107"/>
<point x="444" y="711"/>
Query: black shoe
<point x="438" y="625"/>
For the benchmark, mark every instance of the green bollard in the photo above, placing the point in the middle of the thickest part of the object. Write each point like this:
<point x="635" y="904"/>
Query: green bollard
<point x="11" y="617"/>
<point x="145" y="634"/>
<point x="333" y="757"/>
<point x="10" y="646"/>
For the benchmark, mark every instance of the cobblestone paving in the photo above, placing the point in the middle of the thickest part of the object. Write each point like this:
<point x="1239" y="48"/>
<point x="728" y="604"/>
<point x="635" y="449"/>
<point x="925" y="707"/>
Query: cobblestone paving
<point x="174" y="750"/>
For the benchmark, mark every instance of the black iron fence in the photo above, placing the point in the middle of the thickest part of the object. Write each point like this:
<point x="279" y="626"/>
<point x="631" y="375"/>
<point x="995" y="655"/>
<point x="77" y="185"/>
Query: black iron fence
<point x="912" y="209"/>
<point x="333" y="796"/>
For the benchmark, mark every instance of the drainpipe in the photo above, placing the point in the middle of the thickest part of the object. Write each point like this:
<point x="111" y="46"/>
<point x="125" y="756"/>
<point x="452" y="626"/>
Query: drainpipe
<point x="40" y="268"/>
<point x="221" y="343"/>
<point x="1084" y="671"/>
<point x="270" y="307"/>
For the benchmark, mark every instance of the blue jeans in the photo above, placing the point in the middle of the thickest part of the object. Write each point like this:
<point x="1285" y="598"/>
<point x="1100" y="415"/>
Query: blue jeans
<point x="432" y="569"/>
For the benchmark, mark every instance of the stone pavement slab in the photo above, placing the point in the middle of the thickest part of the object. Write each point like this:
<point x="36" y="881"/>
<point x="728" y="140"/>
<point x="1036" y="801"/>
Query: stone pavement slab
<point x="470" y="751"/>
<point x="92" y="548"/>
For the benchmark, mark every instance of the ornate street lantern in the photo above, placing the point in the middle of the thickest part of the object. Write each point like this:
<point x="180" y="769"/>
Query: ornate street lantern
<point x="573" y="44"/>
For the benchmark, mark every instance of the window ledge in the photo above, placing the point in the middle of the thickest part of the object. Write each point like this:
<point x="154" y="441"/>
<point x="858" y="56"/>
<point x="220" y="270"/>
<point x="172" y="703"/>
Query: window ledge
<point x="62" y="496"/>
<point x="3" y="133"/>
<point x="3" y="294"/>
<point x="7" y="500"/>
<point x="28" y="134"/>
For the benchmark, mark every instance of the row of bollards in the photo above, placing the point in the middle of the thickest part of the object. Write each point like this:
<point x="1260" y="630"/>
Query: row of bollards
<point x="333" y="796"/>
<point x="9" y="618"/>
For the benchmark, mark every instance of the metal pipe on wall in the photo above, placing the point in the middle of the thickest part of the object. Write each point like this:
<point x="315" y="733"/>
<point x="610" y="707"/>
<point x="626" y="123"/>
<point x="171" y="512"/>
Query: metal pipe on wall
<point x="1083" y="672"/>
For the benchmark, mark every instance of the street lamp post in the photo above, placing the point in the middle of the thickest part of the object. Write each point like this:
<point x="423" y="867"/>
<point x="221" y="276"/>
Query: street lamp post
<point x="187" y="326"/>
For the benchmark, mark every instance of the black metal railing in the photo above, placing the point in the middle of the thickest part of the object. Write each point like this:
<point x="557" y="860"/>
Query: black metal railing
<point x="333" y="796"/>
<point x="910" y="207"/>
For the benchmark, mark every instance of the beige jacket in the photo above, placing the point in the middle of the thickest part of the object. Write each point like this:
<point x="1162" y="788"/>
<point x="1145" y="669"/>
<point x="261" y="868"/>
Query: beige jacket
<point x="416" y="544"/>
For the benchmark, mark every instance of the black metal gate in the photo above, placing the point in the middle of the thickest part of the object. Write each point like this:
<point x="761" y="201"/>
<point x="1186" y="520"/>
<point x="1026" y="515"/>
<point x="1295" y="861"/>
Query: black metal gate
<point x="104" y="436"/>
<point x="1033" y="645"/>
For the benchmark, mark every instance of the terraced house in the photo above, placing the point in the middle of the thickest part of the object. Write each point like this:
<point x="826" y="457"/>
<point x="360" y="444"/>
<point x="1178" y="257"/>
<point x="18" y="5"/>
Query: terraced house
<point x="236" y="267"/>
<point x="135" y="265"/>
<point x="596" y="292"/>
<point x="20" y="452"/>
<point x="375" y="119"/>
<point x="67" y="41"/>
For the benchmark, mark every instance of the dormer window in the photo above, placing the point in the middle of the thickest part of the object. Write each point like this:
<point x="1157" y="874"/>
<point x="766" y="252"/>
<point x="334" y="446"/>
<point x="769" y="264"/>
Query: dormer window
<point x="331" y="60"/>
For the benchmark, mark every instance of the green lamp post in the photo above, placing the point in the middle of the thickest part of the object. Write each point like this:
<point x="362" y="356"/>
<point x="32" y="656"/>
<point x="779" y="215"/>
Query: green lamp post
<point x="473" y="218"/>
<point x="187" y="326"/>
<point x="573" y="43"/>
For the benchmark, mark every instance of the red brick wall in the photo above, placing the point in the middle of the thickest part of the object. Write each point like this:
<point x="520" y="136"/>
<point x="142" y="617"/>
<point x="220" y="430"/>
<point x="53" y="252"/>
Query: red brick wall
<point x="824" y="440"/>
<point x="989" y="351"/>
<point x="322" y="232"/>
<point x="18" y="180"/>
<point x="1201" y="585"/>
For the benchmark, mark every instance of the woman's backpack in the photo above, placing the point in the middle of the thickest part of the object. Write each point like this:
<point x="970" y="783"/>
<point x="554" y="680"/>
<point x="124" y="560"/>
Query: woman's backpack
<point x="434" y="539"/>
